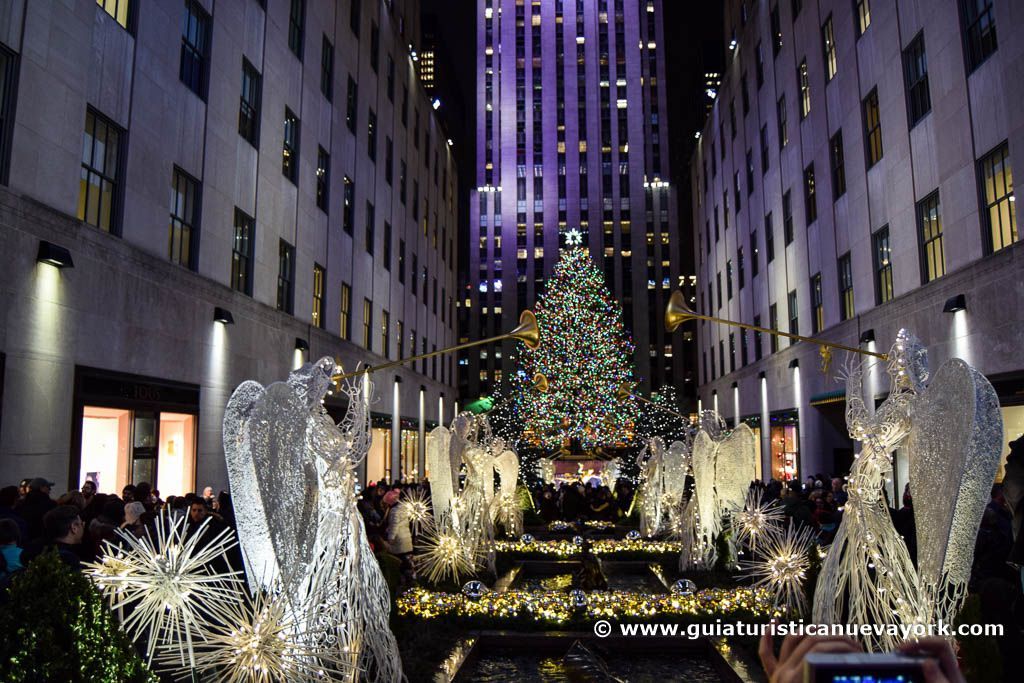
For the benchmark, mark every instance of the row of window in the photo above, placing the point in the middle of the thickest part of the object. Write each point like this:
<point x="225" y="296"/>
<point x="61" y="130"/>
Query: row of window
<point x="997" y="191"/>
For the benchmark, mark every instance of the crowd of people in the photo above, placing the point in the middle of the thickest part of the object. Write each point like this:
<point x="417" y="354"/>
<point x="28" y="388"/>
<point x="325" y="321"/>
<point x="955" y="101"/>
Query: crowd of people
<point x="78" y="523"/>
<point x="577" y="501"/>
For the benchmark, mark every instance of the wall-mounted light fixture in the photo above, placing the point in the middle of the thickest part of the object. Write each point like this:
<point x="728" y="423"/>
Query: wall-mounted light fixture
<point x="301" y="344"/>
<point x="867" y="336"/>
<point x="223" y="316"/>
<point x="955" y="303"/>
<point x="795" y="363"/>
<point x="54" y="255"/>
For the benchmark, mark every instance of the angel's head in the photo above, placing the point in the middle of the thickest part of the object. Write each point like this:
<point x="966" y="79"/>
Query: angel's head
<point x="462" y="425"/>
<point x="313" y="380"/>
<point x="908" y="362"/>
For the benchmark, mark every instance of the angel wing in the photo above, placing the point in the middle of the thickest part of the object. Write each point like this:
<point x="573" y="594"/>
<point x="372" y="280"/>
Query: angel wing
<point x="507" y="466"/>
<point x="704" y="451"/>
<point x="439" y="465"/>
<point x="954" y="451"/>
<point x="734" y="468"/>
<point x="274" y="482"/>
<point x="677" y="462"/>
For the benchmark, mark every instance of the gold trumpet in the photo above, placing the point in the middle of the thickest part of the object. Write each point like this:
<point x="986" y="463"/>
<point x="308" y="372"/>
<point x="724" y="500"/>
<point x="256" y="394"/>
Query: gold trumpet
<point x="526" y="331"/>
<point x="625" y="390"/>
<point x="678" y="312"/>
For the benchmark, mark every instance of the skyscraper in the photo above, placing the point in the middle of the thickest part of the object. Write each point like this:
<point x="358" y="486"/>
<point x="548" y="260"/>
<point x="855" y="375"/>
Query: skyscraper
<point x="571" y="142"/>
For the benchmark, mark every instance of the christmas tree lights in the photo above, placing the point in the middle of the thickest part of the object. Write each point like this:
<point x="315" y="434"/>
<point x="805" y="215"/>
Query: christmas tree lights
<point x="586" y="355"/>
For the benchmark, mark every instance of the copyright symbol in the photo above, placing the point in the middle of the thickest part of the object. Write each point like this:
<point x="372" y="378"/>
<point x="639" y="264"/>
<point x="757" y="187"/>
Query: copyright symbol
<point x="602" y="629"/>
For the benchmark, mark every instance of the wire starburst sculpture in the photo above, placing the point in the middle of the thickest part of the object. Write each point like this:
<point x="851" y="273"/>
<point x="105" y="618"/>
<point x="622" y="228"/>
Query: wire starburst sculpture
<point x="445" y="554"/>
<point x="757" y="519"/>
<point x="165" y="586"/>
<point x="414" y="510"/>
<point x="781" y="564"/>
<point x="265" y="641"/>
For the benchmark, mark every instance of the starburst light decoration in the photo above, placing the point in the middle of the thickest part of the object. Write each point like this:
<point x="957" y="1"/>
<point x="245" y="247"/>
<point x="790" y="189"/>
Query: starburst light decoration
<point x="165" y="586"/>
<point x="757" y="519"/>
<point x="444" y="554"/>
<point x="414" y="510"/>
<point x="264" y="642"/>
<point x="780" y="564"/>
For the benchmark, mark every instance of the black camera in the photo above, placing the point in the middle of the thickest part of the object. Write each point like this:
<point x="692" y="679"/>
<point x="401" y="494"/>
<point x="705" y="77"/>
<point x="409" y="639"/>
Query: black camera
<point x="827" y="667"/>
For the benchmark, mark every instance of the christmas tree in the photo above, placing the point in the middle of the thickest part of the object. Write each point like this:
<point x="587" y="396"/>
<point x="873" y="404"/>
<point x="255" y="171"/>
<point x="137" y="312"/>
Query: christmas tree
<point x="654" y="421"/>
<point x="57" y="627"/>
<point x="585" y="354"/>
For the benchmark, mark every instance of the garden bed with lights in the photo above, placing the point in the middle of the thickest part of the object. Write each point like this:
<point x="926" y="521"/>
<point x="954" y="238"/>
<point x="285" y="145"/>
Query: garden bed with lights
<point x="606" y="548"/>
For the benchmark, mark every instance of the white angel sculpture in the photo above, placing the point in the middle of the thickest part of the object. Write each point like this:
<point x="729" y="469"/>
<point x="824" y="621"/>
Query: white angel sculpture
<point x="292" y="477"/>
<point x="724" y="464"/>
<point x="663" y="485"/>
<point x="951" y="430"/>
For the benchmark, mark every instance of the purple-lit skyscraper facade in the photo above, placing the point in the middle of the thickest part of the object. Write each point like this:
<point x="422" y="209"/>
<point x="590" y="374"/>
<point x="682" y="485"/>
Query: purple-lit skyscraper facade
<point x="572" y="143"/>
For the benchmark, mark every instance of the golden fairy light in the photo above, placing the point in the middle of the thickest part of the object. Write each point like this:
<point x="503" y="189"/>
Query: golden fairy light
<point x="781" y="564"/>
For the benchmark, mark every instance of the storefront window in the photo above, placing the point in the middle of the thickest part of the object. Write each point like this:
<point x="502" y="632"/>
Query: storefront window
<point x="1013" y="429"/>
<point x="378" y="460"/>
<point x="785" y="445"/>
<point x="121" y="446"/>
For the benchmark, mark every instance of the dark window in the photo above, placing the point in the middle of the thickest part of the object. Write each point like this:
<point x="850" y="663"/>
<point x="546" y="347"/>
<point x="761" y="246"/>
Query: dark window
<point x="915" y="69"/>
<point x="389" y="160"/>
<point x="817" y="305"/>
<point x="391" y="85"/>
<point x="195" y="42"/>
<point x="352" y="105"/>
<point x="371" y="135"/>
<point x="118" y="9"/>
<point x="296" y="26"/>
<point x="370" y="227"/>
<point x="327" y="69"/>
<point x="385" y="333"/>
<point x="872" y="128"/>
<point x="980" y="27"/>
<point x="732" y="119"/>
<point x="757" y="339"/>
<point x="718" y="288"/>
<point x="290" y="151"/>
<point x="721" y="357"/>
<point x="803" y="79"/>
<point x="323" y="178"/>
<point x="8" y="73"/>
<point x="319" y="282"/>
<point x="249" y="104"/>
<point x="861" y="15"/>
<point x="374" y="47"/>
<point x="413" y="276"/>
<point x="386" y="250"/>
<point x="745" y="94"/>
<point x="769" y="239"/>
<point x="285" y="277"/>
<point x="183" y="234"/>
<point x="773" y="323"/>
<point x="401" y="261"/>
<point x="732" y="351"/>
<point x="402" y="173"/>
<point x="810" y="195"/>
<point x="776" y="26"/>
<point x="787" y="218"/>
<point x="355" y="16"/>
<point x="728" y="279"/>
<point x="794" y="315"/>
<point x="828" y="46"/>
<point x="346" y="311"/>
<point x="783" y="129"/>
<point x="844" y="268"/>
<point x="765" y="161"/>
<point x="750" y="172"/>
<point x="883" y="266"/>
<point x="997" y="192"/>
<point x="929" y="220"/>
<point x="740" y="274"/>
<point x="98" y="197"/>
<point x="755" y="266"/>
<point x="836" y="161"/>
<point x="242" y="252"/>
<point x="736" y="190"/>
<point x="348" y="205"/>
